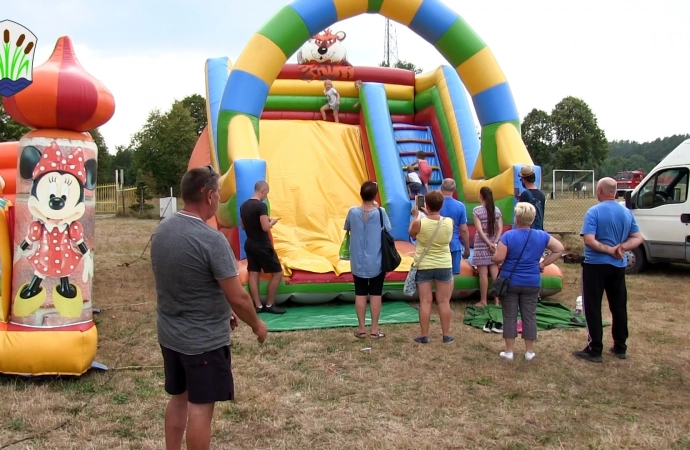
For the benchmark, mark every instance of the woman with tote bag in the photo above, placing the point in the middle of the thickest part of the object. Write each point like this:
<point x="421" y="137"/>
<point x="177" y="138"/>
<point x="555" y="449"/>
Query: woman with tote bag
<point x="364" y="224"/>
<point x="432" y="265"/>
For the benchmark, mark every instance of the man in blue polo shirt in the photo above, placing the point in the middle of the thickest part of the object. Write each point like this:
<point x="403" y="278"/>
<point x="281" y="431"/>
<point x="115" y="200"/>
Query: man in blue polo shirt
<point x="456" y="210"/>
<point x="608" y="231"/>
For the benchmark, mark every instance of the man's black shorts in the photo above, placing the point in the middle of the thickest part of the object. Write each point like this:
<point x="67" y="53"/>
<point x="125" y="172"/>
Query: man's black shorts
<point x="207" y="377"/>
<point x="261" y="257"/>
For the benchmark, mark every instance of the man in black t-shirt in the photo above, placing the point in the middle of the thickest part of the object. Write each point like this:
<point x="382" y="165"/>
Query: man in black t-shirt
<point x="259" y="249"/>
<point x="532" y="195"/>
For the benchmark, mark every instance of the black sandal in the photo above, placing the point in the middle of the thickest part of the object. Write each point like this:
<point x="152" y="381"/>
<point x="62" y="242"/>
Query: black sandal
<point x="361" y="335"/>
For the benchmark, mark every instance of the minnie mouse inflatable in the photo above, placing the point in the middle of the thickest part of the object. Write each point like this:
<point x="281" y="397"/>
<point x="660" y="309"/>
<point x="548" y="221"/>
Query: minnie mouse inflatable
<point x="54" y="244"/>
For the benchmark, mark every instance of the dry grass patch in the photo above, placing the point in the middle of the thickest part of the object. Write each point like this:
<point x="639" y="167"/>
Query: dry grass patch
<point x="317" y="389"/>
<point x="564" y="215"/>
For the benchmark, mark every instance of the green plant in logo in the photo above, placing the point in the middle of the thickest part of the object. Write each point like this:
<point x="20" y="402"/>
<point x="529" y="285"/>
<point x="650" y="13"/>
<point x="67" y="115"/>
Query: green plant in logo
<point x="17" y="47"/>
<point x="14" y="69"/>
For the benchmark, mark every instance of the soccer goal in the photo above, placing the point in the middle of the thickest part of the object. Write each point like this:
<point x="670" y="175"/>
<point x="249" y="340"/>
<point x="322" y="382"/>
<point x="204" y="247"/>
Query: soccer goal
<point x="572" y="184"/>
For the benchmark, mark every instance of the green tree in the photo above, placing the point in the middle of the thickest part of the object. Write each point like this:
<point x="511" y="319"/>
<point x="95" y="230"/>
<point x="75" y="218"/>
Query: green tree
<point x="578" y="140"/>
<point x="403" y="65"/>
<point x="123" y="159"/>
<point x="141" y="208"/>
<point x="105" y="172"/>
<point x="162" y="148"/>
<point x="196" y="104"/>
<point x="537" y="133"/>
<point x="10" y="129"/>
<point x="653" y="151"/>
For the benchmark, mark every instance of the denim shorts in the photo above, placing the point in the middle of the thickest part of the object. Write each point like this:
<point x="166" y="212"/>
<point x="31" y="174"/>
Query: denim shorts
<point x="440" y="275"/>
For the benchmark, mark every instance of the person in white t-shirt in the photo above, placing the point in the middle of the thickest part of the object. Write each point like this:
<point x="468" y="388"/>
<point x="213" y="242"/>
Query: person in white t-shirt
<point x="414" y="183"/>
<point x="333" y="100"/>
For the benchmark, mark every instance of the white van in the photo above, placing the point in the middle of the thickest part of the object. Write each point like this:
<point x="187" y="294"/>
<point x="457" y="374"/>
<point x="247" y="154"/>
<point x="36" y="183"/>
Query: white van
<point x="661" y="207"/>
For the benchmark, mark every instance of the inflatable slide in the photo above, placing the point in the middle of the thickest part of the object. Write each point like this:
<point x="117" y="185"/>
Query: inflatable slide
<point x="265" y="124"/>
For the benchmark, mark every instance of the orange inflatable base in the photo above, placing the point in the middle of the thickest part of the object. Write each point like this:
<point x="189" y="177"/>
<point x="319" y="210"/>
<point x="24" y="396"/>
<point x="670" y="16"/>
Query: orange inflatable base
<point x="47" y="351"/>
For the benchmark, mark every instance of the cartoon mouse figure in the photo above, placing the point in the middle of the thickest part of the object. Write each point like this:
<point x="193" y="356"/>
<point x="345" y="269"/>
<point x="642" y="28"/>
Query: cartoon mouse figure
<point x="54" y="243"/>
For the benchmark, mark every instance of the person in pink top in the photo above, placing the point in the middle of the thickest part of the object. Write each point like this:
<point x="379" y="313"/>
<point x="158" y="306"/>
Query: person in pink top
<point x="424" y="169"/>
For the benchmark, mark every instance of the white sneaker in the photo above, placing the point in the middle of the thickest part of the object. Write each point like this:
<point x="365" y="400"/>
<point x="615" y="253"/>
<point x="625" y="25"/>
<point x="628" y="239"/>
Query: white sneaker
<point x="529" y="356"/>
<point x="506" y="355"/>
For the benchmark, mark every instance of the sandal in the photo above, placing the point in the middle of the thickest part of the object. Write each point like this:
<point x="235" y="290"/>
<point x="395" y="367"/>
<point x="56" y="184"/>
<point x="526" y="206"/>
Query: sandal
<point x="361" y="335"/>
<point x="378" y="335"/>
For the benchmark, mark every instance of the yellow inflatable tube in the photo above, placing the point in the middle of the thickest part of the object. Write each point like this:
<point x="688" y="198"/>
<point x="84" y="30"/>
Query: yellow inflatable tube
<point x="344" y="88"/>
<point x="42" y="352"/>
<point x="242" y="144"/>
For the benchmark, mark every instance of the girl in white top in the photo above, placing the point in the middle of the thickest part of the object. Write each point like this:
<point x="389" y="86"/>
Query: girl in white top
<point x="333" y="100"/>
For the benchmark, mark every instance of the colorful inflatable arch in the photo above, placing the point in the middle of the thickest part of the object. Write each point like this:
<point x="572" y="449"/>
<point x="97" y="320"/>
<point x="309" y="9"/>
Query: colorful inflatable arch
<point x="264" y="124"/>
<point x="47" y="220"/>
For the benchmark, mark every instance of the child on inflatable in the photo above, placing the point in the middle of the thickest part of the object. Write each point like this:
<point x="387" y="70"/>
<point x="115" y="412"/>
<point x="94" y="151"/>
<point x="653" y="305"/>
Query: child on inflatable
<point x="333" y="100"/>
<point x="424" y="169"/>
<point x="358" y="86"/>
<point x="414" y="183"/>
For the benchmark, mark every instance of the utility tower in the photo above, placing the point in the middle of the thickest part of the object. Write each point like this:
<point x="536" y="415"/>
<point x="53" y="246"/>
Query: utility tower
<point x="390" y="45"/>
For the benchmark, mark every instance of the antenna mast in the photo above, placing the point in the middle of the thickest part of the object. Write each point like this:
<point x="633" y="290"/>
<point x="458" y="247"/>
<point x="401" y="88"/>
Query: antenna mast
<point x="390" y="45"/>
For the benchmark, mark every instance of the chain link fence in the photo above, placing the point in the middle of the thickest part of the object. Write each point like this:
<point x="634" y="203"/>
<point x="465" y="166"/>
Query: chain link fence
<point x="564" y="211"/>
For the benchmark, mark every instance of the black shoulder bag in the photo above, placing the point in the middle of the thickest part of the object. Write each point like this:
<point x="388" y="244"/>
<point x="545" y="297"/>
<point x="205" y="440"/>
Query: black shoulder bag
<point x="499" y="288"/>
<point x="390" y="258"/>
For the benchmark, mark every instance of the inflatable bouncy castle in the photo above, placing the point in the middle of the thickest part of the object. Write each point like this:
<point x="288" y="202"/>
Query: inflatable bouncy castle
<point x="265" y="124"/>
<point x="47" y="220"/>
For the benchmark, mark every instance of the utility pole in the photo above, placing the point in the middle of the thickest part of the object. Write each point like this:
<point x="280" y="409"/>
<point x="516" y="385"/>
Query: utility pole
<point x="390" y="45"/>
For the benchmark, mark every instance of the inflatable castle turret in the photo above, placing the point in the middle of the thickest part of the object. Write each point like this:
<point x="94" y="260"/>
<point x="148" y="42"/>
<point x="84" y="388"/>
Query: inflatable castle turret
<point x="47" y="220"/>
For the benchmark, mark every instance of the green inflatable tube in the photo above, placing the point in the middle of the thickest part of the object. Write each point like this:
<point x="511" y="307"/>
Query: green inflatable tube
<point x="314" y="103"/>
<point x="313" y="293"/>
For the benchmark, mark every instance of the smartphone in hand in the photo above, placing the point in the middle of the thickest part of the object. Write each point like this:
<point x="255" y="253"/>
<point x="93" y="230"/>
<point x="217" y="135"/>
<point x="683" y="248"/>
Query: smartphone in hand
<point x="517" y="192"/>
<point x="420" y="202"/>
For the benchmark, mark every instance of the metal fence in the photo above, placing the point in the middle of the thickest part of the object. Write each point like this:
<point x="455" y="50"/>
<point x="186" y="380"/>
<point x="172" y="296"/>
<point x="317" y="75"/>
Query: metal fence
<point x="112" y="200"/>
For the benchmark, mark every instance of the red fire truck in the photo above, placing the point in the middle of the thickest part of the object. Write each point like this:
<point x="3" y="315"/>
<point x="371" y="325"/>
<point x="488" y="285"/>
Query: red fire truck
<point x="627" y="180"/>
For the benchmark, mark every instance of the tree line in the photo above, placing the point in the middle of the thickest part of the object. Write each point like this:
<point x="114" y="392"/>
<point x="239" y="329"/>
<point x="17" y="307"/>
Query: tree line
<point x="570" y="138"/>
<point x="567" y="138"/>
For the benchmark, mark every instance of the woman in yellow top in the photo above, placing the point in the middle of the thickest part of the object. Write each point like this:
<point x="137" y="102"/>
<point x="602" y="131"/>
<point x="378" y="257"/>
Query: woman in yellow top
<point x="436" y="266"/>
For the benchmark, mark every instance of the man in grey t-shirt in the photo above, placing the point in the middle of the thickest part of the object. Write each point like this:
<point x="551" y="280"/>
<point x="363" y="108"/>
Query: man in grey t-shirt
<point x="198" y="288"/>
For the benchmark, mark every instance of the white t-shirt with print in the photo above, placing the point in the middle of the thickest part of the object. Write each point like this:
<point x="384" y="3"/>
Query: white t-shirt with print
<point x="332" y="96"/>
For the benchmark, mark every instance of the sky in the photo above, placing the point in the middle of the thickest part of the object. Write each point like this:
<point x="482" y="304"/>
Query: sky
<point x="626" y="58"/>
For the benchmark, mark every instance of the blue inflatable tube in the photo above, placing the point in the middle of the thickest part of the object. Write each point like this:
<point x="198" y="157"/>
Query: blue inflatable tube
<point x="463" y="115"/>
<point x="384" y="155"/>
<point x="217" y="73"/>
<point x="247" y="173"/>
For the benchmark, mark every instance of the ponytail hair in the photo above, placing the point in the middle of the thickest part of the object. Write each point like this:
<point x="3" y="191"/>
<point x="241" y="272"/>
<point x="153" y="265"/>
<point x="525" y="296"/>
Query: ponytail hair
<point x="488" y="197"/>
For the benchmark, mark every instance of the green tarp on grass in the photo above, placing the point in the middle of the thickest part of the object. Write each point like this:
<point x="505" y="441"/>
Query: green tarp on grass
<point x="550" y="315"/>
<point x="311" y="317"/>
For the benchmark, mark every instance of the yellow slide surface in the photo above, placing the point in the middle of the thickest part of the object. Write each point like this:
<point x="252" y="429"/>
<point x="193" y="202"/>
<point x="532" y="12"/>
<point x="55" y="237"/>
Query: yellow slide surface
<point x="309" y="161"/>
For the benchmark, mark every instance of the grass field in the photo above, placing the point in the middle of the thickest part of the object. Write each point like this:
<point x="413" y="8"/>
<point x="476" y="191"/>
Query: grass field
<point x="317" y="389"/>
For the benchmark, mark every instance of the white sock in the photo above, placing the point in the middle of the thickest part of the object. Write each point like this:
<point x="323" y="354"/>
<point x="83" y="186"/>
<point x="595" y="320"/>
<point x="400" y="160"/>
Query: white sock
<point x="506" y="355"/>
<point x="529" y="356"/>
